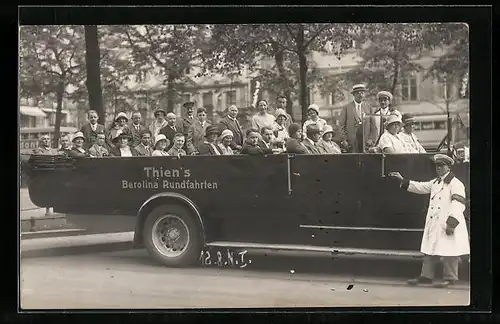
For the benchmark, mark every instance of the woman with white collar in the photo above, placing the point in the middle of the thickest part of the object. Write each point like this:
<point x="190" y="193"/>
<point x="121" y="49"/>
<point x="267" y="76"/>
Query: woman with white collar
<point x="390" y="142"/>
<point x="161" y="143"/>
<point x="314" y="119"/>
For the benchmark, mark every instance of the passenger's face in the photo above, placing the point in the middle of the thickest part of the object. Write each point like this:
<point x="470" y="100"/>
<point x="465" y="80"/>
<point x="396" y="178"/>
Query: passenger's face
<point x="202" y="116"/>
<point x="281" y="103"/>
<point x="171" y="120"/>
<point x="136" y="119"/>
<point x="189" y="111"/>
<point x="315" y="137"/>
<point x="226" y="141"/>
<point x="93" y="118"/>
<point x="312" y="113"/>
<point x="298" y="134"/>
<point x="212" y="138"/>
<point x="160" y="116"/>
<point x="280" y="120"/>
<point x="65" y="142"/>
<point x="78" y="142"/>
<point x="123" y="141"/>
<point x="100" y="140"/>
<point x="359" y="96"/>
<point x="122" y="122"/>
<point x="161" y="145"/>
<point x="409" y="128"/>
<point x="179" y="142"/>
<point x="267" y="135"/>
<point x="45" y="141"/>
<point x="253" y="138"/>
<point x="262" y="106"/>
<point x="146" y="139"/>
<point x="233" y="112"/>
<point x="384" y="102"/>
<point x="328" y="136"/>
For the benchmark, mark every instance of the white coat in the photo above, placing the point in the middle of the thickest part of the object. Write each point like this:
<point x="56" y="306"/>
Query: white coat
<point x="441" y="205"/>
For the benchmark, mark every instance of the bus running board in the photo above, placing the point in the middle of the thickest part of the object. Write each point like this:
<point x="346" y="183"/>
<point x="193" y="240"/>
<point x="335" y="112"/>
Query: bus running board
<point x="304" y="250"/>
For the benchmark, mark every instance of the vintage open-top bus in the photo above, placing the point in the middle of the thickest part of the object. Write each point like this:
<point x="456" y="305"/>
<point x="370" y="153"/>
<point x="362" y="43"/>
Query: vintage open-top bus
<point x="326" y="203"/>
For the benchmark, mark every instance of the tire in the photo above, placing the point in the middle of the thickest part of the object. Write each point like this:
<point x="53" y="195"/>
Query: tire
<point x="184" y="230"/>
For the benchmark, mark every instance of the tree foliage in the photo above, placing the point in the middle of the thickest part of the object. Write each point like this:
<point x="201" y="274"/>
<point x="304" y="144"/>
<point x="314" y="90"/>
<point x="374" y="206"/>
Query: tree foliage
<point x="51" y="59"/>
<point x="168" y="49"/>
<point x="232" y="48"/>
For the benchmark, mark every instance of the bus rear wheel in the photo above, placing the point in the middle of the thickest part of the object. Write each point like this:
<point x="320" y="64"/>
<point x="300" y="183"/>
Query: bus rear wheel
<point x="172" y="236"/>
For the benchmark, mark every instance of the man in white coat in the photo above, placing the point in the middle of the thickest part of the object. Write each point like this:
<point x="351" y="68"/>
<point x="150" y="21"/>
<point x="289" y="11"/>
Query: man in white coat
<point x="445" y="234"/>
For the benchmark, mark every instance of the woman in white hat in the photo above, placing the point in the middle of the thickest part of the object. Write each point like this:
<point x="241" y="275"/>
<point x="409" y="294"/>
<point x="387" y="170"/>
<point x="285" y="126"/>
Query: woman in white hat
<point x="226" y="138"/>
<point x="326" y="145"/>
<point x="161" y="143"/>
<point x="390" y="142"/>
<point x="313" y="119"/>
<point x="279" y="128"/>
<point x="78" y="142"/>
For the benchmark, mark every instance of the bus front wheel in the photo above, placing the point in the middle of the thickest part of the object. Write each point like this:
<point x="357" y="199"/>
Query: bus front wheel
<point x="172" y="236"/>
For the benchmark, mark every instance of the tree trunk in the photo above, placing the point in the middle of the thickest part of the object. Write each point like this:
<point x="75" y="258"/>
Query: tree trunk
<point x="279" y="57"/>
<point x="395" y="77"/>
<point x="59" y="99"/>
<point x="302" y="72"/>
<point x="92" y="60"/>
<point x="170" y="93"/>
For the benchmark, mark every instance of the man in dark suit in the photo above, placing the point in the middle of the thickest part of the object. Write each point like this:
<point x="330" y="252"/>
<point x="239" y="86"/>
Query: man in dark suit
<point x="313" y="135"/>
<point x="230" y="122"/>
<point x="144" y="148"/>
<point x="266" y="141"/>
<point x="252" y="147"/>
<point x="172" y="128"/>
<point x="91" y="129"/>
<point x="189" y="119"/>
<point x="136" y="129"/>
<point x="353" y="130"/>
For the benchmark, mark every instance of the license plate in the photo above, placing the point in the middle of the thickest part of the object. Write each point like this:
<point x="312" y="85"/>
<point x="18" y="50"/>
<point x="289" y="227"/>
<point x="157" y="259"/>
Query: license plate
<point x="224" y="258"/>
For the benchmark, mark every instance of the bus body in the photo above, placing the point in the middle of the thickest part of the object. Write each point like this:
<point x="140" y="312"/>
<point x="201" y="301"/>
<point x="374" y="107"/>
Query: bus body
<point x="344" y="203"/>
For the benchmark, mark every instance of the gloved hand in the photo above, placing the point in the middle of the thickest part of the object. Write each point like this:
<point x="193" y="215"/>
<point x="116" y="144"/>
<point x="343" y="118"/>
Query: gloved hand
<point x="449" y="230"/>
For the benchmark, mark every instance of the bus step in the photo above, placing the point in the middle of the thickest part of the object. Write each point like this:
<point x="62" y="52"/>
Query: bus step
<point x="304" y="250"/>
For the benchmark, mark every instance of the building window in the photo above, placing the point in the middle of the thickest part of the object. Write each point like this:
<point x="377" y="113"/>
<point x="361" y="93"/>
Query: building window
<point x="409" y="88"/>
<point x="230" y="98"/>
<point x="440" y="125"/>
<point x="427" y="125"/>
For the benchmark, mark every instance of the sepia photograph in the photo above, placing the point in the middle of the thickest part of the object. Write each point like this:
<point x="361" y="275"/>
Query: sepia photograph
<point x="188" y="166"/>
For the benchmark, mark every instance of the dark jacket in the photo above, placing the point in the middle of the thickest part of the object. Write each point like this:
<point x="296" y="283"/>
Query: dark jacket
<point x="235" y="127"/>
<point x="90" y="135"/>
<point x="77" y="154"/>
<point x="116" y="152"/>
<point x="293" y="146"/>
<point x="311" y="149"/>
<point x="207" y="149"/>
<point x="264" y="148"/>
<point x="136" y="134"/>
<point x="255" y="150"/>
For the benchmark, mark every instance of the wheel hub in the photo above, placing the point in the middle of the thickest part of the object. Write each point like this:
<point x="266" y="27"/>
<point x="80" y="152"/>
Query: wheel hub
<point x="170" y="235"/>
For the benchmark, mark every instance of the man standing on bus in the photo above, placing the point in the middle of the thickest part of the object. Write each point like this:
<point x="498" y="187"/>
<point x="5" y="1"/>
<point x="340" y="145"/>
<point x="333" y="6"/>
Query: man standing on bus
<point x="384" y="100"/>
<point x="136" y="129"/>
<point x="351" y="120"/>
<point x="445" y="234"/>
<point x="44" y="147"/>
<point x="408" y="137"/>
<point x="91" y="129"/>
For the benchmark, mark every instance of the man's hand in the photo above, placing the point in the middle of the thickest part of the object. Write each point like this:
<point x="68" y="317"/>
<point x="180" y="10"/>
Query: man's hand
<point x="369" y="143"/>
<point x="345" y="144"/>
<point x="396" y="175"/>
<point x="449" y="230"/>
<point x="238" y="147"/>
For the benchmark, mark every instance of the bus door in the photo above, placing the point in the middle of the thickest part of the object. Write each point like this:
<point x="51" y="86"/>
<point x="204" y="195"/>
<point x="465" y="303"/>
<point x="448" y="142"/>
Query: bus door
<point x="326" y="197"/>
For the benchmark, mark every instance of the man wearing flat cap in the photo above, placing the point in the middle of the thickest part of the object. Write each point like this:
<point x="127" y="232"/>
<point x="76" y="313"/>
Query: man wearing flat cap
<point x="351" y="121"/>
<point x="445" y="235"/>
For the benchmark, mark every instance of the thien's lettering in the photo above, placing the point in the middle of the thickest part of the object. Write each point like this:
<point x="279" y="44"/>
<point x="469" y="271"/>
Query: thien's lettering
<point x="152" y="172"/>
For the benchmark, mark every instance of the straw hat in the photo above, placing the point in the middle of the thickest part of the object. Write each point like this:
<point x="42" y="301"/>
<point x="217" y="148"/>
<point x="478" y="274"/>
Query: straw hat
<point x="160" y="137"/>
<point x="225" y="133"/>
<point x="77" y="135"/>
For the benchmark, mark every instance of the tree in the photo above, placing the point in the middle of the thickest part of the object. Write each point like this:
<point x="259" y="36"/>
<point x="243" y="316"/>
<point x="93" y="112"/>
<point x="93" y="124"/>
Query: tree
<point x="234" y="47"/>
<point x="51" y="59"/>
<point x="92" y="60"/>
<point x="168" y="49"/>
